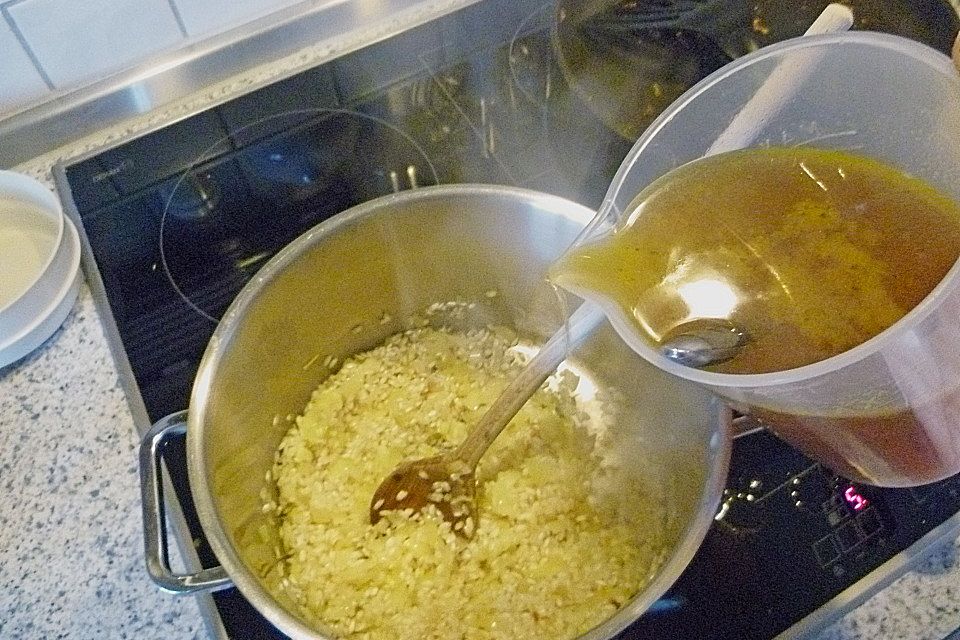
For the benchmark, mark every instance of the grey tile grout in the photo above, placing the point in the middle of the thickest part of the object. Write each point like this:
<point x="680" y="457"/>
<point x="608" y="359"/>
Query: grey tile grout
<point x="178" y="18"/>
<point x="5" y="11"/>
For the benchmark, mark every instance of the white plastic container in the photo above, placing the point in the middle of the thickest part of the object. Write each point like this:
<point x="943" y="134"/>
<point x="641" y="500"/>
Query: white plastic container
<point x="39" y="265"/>
<point x="888" y="411"/>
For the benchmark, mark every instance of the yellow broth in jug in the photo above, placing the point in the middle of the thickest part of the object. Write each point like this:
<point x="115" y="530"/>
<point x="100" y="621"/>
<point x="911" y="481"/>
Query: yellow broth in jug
<point x="810" y="251"/>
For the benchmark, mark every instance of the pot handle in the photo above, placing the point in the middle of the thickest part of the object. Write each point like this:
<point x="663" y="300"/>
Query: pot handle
<point x="154" y="516"/>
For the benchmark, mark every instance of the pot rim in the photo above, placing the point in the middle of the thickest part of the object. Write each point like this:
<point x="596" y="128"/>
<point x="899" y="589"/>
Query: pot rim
<point x="202" y="491"/>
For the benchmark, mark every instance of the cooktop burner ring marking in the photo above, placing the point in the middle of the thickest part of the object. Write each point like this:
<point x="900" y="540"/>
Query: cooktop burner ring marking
<point x="188" y="171"/>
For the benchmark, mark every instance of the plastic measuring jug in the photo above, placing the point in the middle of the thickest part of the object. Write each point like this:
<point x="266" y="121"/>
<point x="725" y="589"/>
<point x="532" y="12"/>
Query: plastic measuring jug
<point x="886" y="412"/>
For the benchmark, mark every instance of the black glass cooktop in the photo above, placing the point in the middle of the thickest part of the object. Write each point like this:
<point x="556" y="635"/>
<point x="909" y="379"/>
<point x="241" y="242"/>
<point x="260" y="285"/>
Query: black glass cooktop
<point x="179" y="219"/>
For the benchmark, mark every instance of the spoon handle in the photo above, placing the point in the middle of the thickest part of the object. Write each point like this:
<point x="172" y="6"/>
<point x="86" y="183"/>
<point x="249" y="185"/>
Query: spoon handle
<point x="786" y="79"/>
<point x="577" y="328"/>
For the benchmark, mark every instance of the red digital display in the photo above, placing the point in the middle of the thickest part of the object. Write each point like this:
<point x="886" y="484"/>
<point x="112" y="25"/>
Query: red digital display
<point x="854" y="499"/>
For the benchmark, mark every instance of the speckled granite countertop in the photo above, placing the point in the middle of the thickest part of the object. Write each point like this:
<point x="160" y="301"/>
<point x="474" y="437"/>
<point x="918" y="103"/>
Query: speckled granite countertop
<point x="71" y="553"/>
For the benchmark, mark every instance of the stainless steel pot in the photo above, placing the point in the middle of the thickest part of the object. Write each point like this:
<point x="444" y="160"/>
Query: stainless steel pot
<point x="328" y="293"/>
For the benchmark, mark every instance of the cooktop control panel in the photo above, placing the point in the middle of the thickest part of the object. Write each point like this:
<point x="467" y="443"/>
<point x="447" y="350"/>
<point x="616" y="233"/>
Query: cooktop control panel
<point x="789" y="535"/>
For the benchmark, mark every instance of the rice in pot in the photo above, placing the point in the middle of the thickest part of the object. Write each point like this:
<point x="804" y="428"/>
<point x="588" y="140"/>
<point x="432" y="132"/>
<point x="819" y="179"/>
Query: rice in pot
<point x="565" y="536"/>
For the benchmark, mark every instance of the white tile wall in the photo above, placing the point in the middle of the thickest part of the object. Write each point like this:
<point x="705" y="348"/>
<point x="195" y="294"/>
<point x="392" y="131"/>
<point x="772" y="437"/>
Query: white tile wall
<point x="211" y="16"/>
<point x="51" y="45"/>
<point x="20" y="81"/>
<point x="76" y="42"/>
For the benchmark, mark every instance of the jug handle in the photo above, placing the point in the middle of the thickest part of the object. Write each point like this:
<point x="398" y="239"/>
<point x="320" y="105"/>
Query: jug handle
<point x="154" y="516"/>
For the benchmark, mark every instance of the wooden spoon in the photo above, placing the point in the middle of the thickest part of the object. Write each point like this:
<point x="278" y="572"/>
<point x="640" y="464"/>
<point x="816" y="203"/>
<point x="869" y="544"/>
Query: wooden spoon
<point x="448" y="481"/>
